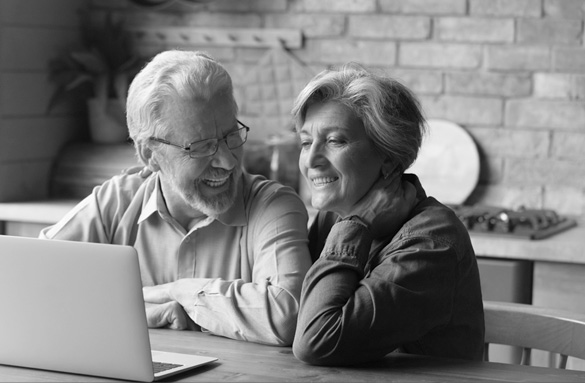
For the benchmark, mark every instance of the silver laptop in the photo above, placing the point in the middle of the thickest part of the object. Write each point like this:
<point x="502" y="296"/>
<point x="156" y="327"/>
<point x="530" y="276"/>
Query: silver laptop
<point x="77" y="307"/>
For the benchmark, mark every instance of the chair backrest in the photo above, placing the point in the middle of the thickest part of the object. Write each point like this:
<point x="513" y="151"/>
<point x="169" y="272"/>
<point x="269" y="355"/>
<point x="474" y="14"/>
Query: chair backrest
<point x="532" y="327"/>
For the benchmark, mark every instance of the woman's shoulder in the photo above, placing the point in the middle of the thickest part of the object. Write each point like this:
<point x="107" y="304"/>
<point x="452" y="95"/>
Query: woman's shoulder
<point x="435" y="222"/>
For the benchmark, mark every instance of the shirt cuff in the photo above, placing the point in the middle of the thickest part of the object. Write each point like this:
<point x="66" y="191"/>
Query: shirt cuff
<point x="349" y="241"/>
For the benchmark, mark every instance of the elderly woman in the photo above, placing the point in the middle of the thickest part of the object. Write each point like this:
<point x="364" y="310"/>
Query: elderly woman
<point x="396" y="269"/>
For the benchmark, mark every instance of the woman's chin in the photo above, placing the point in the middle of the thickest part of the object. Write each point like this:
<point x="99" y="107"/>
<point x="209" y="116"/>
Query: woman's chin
<point x="318" y="204"/>
<point x="324" y="205"/>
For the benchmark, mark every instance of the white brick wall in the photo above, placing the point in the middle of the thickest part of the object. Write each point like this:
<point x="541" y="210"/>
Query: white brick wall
<point x="440" y="55"/>
<point x="432" y="7"/>
<point x="569" y="115"/>
<point x="475" y="29"/>
<point x="517" y="8"/>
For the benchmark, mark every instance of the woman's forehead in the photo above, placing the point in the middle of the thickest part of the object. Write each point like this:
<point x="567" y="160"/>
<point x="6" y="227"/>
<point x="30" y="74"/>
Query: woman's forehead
<point x="329" y="116"/>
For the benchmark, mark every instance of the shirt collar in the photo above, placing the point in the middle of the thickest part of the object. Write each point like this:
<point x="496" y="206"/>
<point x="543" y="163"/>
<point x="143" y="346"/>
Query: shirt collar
<point x="151" y="204"/>
<point x="234" y="216"/>
<point x="420" y="191"/>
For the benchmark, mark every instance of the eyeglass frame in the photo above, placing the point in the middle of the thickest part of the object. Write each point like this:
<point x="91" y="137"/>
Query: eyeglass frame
<point x="193" y="154"/>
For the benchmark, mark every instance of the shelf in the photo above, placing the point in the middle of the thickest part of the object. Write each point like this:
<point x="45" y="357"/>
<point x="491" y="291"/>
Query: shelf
<point x="230" y="37"/>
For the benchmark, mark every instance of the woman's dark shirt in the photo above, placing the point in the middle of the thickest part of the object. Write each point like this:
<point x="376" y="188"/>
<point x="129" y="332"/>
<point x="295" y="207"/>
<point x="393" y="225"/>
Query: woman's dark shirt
<point x="417" y="290"/>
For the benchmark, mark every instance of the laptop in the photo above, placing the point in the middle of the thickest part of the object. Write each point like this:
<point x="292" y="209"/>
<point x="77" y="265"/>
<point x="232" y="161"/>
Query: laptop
<point x="78" y="307"/>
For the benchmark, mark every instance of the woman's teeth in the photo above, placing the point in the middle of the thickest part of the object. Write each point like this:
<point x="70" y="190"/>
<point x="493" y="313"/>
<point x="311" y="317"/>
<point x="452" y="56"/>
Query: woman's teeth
<point x="324" y="180"/>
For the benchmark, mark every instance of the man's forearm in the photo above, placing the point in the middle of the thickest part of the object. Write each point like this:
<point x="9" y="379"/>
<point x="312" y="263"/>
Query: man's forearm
<point x="256" y="312"/>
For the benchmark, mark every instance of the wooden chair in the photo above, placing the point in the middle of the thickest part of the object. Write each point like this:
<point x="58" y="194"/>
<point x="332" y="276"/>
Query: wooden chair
<point x="531" y="327"/>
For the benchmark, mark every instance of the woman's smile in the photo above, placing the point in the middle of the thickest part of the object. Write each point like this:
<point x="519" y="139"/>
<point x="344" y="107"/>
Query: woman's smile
<point x="337" y="157"/>
<point x="323" y="181"/>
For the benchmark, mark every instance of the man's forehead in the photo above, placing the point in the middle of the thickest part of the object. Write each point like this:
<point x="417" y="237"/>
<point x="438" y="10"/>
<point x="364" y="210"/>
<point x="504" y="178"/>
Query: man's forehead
<point x="201" y="107"/>
<point x="193" y="121"/>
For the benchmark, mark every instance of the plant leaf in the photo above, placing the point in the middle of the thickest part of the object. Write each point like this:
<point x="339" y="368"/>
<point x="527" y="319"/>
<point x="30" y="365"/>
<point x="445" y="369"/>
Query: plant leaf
<point x="91" y="61"/>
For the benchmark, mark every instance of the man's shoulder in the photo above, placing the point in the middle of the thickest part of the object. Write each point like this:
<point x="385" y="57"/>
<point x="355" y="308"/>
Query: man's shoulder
<point x="259" y="187"/>
<point x="262" y="194"/>
<point x="125" y="187"/>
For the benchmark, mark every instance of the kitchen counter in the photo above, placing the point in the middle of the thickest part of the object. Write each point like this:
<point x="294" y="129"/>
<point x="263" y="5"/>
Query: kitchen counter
<point x="46" y="211"/>
<point x="29" y="217"/>
<point x="564" y="247"/>
<point x="567" y="246"/>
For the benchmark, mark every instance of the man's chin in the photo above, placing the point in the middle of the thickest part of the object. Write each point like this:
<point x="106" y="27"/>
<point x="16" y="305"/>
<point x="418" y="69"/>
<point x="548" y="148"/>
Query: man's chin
<point x="216" y="204"/>
<point x="217" y="207"/>
<point x="215" y="200"/>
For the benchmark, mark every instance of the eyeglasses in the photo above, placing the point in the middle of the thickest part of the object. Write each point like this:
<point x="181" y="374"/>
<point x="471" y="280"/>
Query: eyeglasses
<point x="206" y="148"/>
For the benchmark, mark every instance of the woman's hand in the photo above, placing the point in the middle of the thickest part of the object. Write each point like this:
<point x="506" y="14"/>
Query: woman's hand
<point x="386" y="205"/>
<point x="143" y="171"/>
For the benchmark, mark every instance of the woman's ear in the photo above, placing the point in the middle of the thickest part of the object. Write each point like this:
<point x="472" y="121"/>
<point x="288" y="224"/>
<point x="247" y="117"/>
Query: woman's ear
<point x="389" y="168"/>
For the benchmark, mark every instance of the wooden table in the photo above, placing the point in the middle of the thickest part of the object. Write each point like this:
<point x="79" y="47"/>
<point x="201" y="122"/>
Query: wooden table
<point x="249" y="362"/>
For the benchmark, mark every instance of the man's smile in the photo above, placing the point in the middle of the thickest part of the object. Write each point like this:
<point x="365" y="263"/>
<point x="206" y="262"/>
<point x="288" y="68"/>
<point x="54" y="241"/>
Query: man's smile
<point x="216" y="182"/>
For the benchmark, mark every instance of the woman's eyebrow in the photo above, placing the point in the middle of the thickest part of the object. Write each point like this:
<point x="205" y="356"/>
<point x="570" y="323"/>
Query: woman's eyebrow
<point x="326" y="129"/>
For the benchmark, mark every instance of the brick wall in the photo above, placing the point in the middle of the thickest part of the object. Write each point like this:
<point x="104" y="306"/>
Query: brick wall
<point x="511" y="72"/>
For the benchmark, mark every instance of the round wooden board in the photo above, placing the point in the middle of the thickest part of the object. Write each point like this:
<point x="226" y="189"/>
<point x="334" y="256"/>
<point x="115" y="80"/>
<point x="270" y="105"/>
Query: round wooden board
<point x="448" y="162"/>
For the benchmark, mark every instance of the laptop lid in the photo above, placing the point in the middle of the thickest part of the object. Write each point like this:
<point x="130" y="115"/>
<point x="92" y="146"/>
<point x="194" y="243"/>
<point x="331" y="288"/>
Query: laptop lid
<point x="75" y="307"/>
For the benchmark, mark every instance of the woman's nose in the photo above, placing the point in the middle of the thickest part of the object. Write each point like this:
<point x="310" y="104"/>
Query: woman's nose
<point x="312" y="156"/>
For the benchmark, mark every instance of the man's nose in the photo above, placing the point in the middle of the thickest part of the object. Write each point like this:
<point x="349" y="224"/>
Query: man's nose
<point x="224" y="157"/>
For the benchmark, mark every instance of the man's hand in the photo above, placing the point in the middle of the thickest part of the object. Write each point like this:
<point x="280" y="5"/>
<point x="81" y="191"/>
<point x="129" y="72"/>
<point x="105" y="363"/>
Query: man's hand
<point x="170" y="315"/>
<point x="182" y="292"/>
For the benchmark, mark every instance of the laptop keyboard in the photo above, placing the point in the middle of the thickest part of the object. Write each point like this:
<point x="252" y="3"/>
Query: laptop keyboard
<point x="160" y="366"/>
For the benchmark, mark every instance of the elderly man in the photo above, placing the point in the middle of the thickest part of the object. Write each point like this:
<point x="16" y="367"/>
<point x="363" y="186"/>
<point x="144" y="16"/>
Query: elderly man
<point x="219" y="249"/>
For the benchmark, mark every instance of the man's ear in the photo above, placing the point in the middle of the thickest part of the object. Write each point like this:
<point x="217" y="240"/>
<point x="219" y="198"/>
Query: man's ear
<point x="147" y="157"/>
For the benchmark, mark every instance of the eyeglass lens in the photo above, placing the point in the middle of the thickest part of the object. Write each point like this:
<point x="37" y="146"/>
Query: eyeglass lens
<point x="209" y="147"/>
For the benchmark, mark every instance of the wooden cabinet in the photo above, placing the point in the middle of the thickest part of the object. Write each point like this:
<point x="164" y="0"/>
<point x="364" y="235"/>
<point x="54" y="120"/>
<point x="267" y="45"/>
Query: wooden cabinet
<point x="558" y="271"/>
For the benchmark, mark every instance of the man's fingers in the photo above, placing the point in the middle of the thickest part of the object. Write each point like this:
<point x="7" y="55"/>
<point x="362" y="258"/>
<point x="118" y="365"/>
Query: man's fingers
<point x="155" y="316"/>
<point x="170" y="315"/>
<point x="156" y="294"/>
<point x="177" y="317"/>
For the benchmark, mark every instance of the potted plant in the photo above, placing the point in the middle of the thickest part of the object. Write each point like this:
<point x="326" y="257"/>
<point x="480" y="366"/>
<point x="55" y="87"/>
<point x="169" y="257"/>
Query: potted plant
<point x="106" y="63"/>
